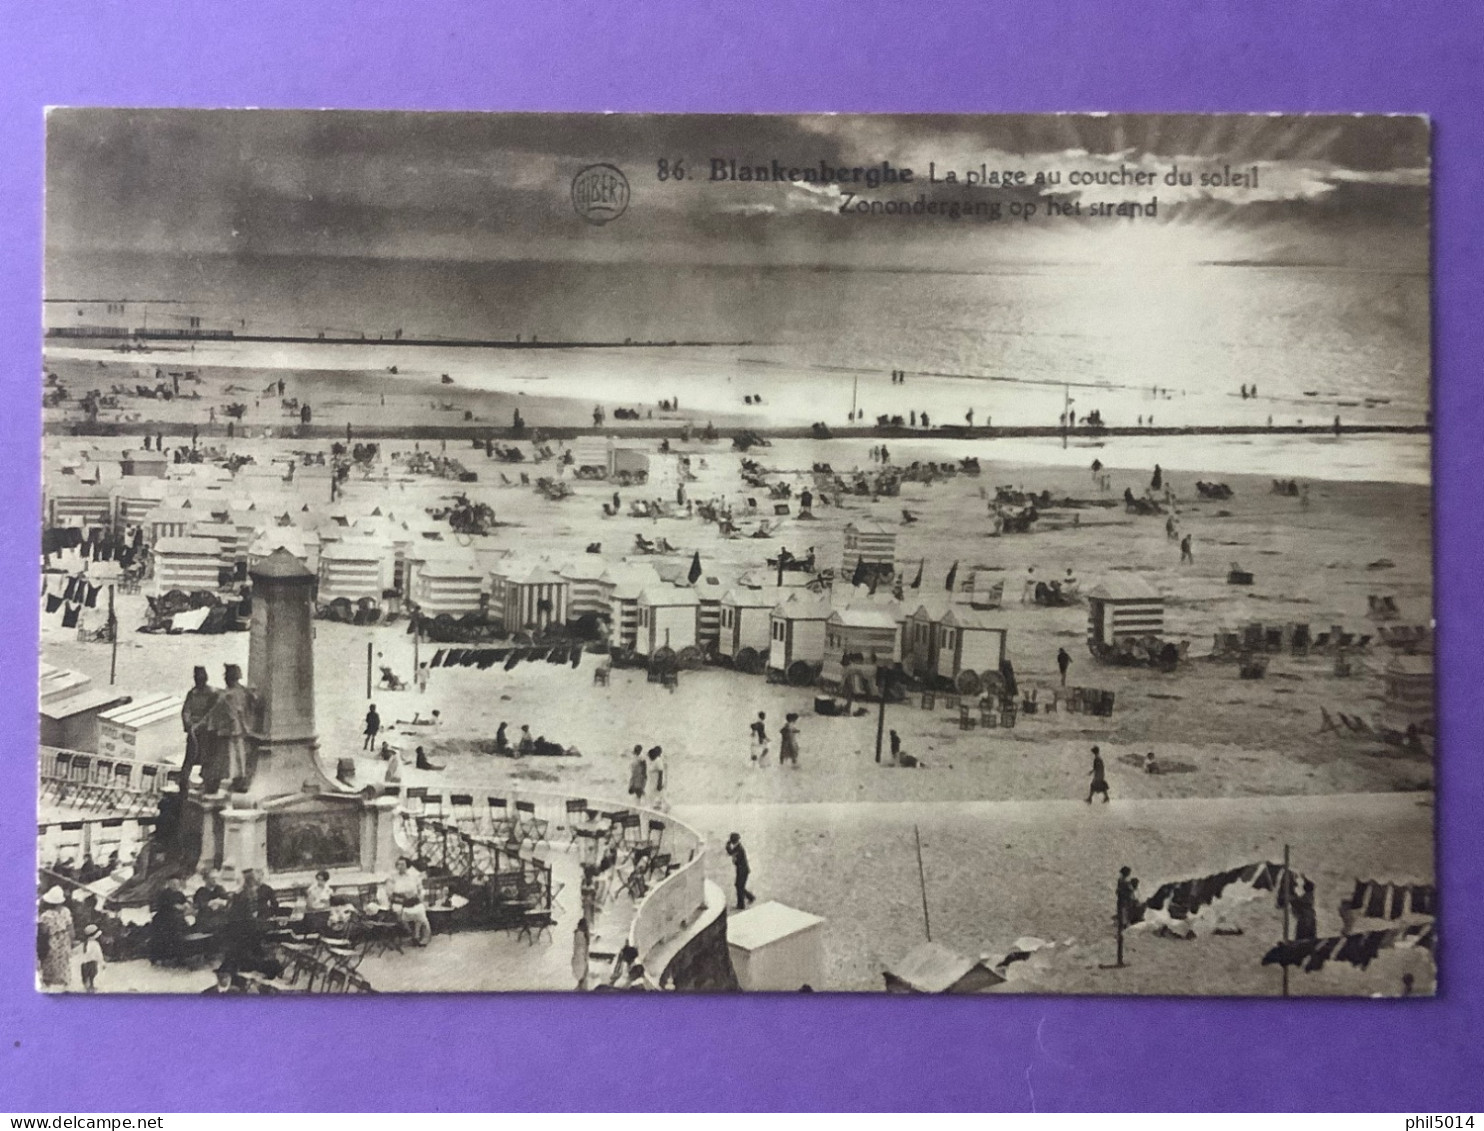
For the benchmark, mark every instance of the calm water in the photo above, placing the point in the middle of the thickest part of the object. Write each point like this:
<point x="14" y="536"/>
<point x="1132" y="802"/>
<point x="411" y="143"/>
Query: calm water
<point x="1011" y="345"/>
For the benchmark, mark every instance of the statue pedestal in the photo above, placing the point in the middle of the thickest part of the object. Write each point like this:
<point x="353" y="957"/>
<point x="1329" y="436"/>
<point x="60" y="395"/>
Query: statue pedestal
<point x="287" y="839"/>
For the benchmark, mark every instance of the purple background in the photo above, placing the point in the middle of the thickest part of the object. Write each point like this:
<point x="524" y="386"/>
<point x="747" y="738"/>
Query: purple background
<point x="515" y="1052"/>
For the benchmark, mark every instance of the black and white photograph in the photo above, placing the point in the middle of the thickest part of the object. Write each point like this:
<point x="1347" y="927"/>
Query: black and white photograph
<point x="721" y="553"/>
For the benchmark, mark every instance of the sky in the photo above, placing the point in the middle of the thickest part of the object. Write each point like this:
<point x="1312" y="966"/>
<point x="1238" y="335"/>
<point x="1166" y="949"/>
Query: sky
<point x="1334" y="190"/>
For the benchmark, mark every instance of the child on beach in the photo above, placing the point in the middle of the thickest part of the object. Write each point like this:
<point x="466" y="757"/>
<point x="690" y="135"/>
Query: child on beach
<point x="759" y="730"/>
<point x="92" y="957"/>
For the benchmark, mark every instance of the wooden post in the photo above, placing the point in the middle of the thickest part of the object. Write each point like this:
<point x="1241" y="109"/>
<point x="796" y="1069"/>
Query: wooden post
<point x="368" y="669"/>
<point x="1118" y="920"/>
<point x="113" y="634"/>
<point x="927" y="925"/>
<point x="883" y="679"/>
<point x="1284" y="889"/>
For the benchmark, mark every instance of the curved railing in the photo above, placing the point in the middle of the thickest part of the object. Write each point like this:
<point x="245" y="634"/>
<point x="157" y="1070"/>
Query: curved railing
<point x="667" y="909"/>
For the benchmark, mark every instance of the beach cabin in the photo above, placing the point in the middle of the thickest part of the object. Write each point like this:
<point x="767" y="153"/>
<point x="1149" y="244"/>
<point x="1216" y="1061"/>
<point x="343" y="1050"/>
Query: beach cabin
<point x="188" y="564"/>
<point x="589" y="587"/>
<point x="590" y="457"/>
<point x="776" y="948"/>
<point x="667" y="619"/>
<point x="709" y="592"/>
<point x="224" y="534"/>
<point x="146" y="729"/>
<point x="452" y="583"/>
<point x="58" y="683"/>
<point x="628" y="463"/>
<point x="1122" y="606"/>
<point x="869" y="634"/>
<point x="744" y="626"/>
<point x="933" y="969"/>
<point x="168" y="521"/>
<point x="528" y="599"/>
<point x="76" y="503"/>
<point x="302" y="544"/>
<point x="149" y="464"/>
<point x="71" y="721"/>
<point x="796" y="632"/>
<point x="1409" y="699"/>
<point x="970" y="648"/>
<point x="135" y="500"/>
<point x="920" y="635"/>
<point x="353" y="568"/>
<point x="870" y="544"/>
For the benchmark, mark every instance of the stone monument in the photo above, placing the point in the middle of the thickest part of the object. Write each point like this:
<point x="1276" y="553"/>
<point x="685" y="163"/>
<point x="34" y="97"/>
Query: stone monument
<point x="286" y="817"/>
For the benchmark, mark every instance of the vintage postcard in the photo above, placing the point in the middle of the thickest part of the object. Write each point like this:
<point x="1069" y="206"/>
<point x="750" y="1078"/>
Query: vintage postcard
<point x="708" y="553"/>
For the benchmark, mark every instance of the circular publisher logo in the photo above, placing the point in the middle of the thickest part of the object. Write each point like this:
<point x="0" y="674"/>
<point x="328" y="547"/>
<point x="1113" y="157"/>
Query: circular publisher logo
<point x="600" y="193"/>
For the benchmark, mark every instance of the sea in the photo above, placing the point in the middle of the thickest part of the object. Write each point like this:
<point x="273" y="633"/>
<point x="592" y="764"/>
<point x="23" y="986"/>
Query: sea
<point x="1018" y="344"/>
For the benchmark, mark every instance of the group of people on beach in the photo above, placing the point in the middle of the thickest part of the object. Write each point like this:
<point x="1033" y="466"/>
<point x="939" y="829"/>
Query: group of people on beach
<point x="760" y="744"/>
<point x="648" y="777"/>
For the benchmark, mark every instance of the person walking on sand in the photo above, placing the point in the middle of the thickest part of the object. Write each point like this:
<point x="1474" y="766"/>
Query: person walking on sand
<point x="742" y="870"/>
<point x="1028" y="591"/>
<point x="788" y="741"/>
<point x="1063" y="662"/>
<point x="1099" y="775"/>
<point x="581" y="943"/>
<point x="1185" y="554"/>
<point x="638" y="775"/>
<point x="1156" y="481"/>
<point x="373" y="725"/>
<point x="759" y="729"/>
<point x="421" y="678"/>
<point x="658" y="778"/>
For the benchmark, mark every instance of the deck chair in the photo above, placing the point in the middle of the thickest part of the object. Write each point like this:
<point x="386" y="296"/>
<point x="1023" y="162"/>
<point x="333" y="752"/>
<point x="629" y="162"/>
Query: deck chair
<point x="461" y="811"/>
<point x="528" y="824"/>
<point x="966" y="720"/>
<point x="74" y="787"/>
<point x="61" y="771"/>
<point x="630" y="827"/>
<point x="97" y="788"/>
<point x="433" y="806"/>
<point x="1328" y="724"/>
<point x="1363" y="642"/>
<point x="657" y="833"/>
<point x="1321" y="642"/>
<point x="536" y="921"/>
<point x="929" y="701"/>
<point x="120" y="787"/>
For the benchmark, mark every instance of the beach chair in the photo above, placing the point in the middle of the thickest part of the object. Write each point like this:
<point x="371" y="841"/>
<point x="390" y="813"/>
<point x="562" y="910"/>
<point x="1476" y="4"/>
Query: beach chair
<point x="951" y="701"/>
<point x="601" y="674"/>
<point x="966" y="720"/>
<point x="1328" y="724"/>
<point x="929" y="701"/>
<point x="1321" y="643"/>
<point x="461" y="811"/>
<point x="61" y="771"/>
<point x="528" y="824"/>
<point x="657" y="832"/>
<point x="1363" y="643"/>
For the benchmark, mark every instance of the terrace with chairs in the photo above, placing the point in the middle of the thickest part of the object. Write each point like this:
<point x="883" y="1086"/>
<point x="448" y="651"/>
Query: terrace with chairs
<point x="506" y="876"/>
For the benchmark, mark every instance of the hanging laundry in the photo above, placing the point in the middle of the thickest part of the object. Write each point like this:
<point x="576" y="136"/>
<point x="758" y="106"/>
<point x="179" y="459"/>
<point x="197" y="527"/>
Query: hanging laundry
<point x="71" y="591"/>
<point x="91" y="600"/>
<point x="437" y="661"/>
<point x="486" y="659"/>
<point x="512" y="661"/>
<point x="69" y="618"/>
<point x="1399" y="894"/>
<point x="576" y="657"/>
<point x="1375" y="905"/>
<point x="53" y="603"/>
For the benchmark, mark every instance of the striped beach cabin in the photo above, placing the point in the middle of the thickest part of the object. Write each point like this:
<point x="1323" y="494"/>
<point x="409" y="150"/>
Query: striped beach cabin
<point x="353" y="568"/>
<point x="709" y="592"/>
<point x="187" y="564"/>
<point x="870" y="543"/>
<point x="589" y="586"/>
<point x="449" y="583"/>
<point x="146" y="729"/>
<point x="78" y="504"/>
<point x="1123" y="606"/>
<point x="920" y="635"/>
<point x="528" y="599"/>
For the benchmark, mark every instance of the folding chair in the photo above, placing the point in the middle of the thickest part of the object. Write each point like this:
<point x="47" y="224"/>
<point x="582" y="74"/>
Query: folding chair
<point x="119" y="788"/>
<point x="461" y="810"/>
<point x="502" y="824"/>
<point x="660" y="865"/>
<point x="576" y="808"/>
<point x="99" y="782"/>
<point x="987" y="717"/>
<point x="656" y="833"/>
<point x="929" y="701"/>
<point x="433" y="806"/>
<point x="61" y="771"/>
<point x="966" y="720"/>
<point x="76" y="784"/>
<point x="528" y="824"/>
<point x="951" y="701"/>
<point x="632" y="827"/>
<point x="357" y="984"/>
<point x="534" y="922"/>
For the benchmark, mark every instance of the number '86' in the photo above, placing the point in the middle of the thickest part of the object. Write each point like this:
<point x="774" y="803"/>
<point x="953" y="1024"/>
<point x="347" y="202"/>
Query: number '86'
<point x="671" y="171"/>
